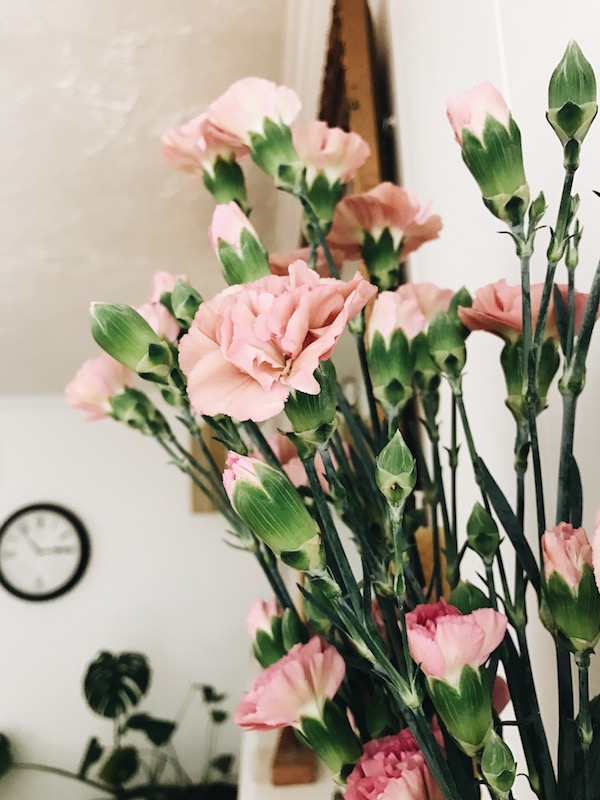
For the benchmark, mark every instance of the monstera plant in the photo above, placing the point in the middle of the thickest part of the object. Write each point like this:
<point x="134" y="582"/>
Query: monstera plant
<point x="114" y="686"/>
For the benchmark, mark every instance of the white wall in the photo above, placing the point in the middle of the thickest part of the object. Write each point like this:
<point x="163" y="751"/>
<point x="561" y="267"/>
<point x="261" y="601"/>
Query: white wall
<point x="161" y="581"/>
<point x="438" y="50"/>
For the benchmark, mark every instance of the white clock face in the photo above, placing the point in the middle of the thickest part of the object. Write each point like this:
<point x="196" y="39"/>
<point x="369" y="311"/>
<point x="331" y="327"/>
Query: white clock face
<point x="42" y="552"/>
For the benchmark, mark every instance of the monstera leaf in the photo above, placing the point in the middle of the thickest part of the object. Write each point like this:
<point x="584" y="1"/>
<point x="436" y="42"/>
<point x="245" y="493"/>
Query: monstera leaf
<point x="115" y="683"/>
<point x="120" y="766"/>
<point x="159" y="731"/>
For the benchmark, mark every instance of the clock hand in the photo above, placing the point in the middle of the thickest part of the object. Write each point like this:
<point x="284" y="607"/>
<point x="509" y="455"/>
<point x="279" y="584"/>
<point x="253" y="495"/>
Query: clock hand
<point x="60" y="548"/>
<point x="32" y="541"/>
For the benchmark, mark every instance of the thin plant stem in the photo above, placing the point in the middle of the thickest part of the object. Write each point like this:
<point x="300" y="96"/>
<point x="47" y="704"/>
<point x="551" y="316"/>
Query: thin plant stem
<point x="366" y="376"/>
<point x="269" y="567"/>
<point x="258" y="439"/>
<point x="584" y="718"/>
<point x="566" y="454"/>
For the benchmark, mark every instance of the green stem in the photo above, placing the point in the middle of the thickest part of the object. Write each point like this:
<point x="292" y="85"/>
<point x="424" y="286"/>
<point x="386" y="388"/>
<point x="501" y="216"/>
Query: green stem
<point x="563" y="510"/>
<point x="570" y="316"/>
<point x="457" y="392"/>
<point x="337" y="559"/>
<point x="566" y="711"/>
<point x="366" y="376"/>
<point x="261" y="444"/>
<point x="315" y="226"/>
<point x="269" y="567"/>
<point x="584" y="718"/>
<point x="454" y="470"/>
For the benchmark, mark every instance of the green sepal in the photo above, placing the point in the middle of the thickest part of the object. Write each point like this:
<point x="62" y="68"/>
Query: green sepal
<point x="122" y="333"/>
<point x="391" y="364"/>
<point x="293" y="631"/>
<point x="426" y="373"/>
<point x="226" y="182"/>
<point x="268" y="646"/>
<point x="495" y="160"/>
<point x="137" y="411"/>
<point x="572" y="103"/>
<point x="309" y="556"/>
<point x="382" y="260"/>
<point x="272" y="150"/>
<point x="323" y="198"/>
<point x="465" y="709"/>
<point x="313" y="416"/>
<point x="332" y="738"/>
<point x="246" y="264"/>
<point x="158" y="362"/>
<point x="460" y="299"/>
<point x="121" y="765"/>
<point x="576" y="614"/>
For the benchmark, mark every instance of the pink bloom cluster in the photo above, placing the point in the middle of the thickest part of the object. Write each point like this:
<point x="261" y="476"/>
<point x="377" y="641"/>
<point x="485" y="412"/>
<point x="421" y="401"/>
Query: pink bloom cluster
<point x="566" y="551"/>
<point x="497" y="308"/>
<point x="410" y="307"/>
<point x="252" y="344"/>
<point x="296" y="686"/>
<point x="387" y="206"/>
<point x="95" y="383"/>
<point x="471" y="109"/>
<point x="444" y="641"/>
<point x="330" y="151"/>
<point x="393" y="768"/>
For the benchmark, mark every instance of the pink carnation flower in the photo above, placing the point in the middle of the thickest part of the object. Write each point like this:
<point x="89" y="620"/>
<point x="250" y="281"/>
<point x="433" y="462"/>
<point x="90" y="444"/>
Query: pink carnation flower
<point x="329" y="151"/>
<point x="95" y="383"/>
<point x="296" y="686"/>
<point x="292" y="465"/>
<point x="386" y="206"/>
<point x="566" y="551"/>
<point x="393" y="768"/>
<point x="196" y="145"/>
<point x="444" y="641"/>
<point x="500" y="695"/>
<point x="242" y="109"/>
<point x="410" y="307"/>
<point x="471" y="109"/>
<point x="249" y="346"/>
<point x="497" y="308"/>
<point x="279" y="263"/>
<point x="261" y="615"/>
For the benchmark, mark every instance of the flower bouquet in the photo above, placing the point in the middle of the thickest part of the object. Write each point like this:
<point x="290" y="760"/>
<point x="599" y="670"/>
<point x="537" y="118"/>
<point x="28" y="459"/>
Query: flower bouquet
<point x="391" y="661"/>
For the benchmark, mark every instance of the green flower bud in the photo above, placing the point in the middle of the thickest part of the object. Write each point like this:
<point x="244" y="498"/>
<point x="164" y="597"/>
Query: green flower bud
<point x="446" y="345"/>
<point x="396" y="473"/>
<point x="267" y="501"/>
<point x="426" y="373"/>
<point x="511" y="359"/>
<point x="498" y="766"/>
<point x="313" y="416"/>
<point x="572" y="103"/>
<point x="185" y="302"/>
<point x="122" y="333"/>
<point x="461" y="298"/>
<point x="245" y="264"/>
<point x="482" y="534"/>
<point x="382" y="259"/>
<point x="136" y="410"/>
<point x="575" y="610"/>
<point x="467" y="597"/>
<point x="537" y="209"/>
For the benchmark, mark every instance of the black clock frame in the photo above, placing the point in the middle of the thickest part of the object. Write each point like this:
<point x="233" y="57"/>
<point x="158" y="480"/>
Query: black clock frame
<point x="84" y="556"/>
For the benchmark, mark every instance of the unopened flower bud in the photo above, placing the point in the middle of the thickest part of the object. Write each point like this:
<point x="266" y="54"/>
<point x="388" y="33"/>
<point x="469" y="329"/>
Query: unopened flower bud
<point x="572" y="96"/>
<point x="498" y="766"/>
<point x="122" y="333"/>
<point x="396" y="473"/>
<point x="225" y="181"/>
<point x="482" y="534"/>
<point x="446" y="345"/>
<point x="426" y="373"/>
<point x="135" y="409"/>
<point x="236" y="243"/>
<point x="185" y="301"/>
<point x="464" y="299"/>
<point x="267" y="501"/>
<point x="467" y="597"/>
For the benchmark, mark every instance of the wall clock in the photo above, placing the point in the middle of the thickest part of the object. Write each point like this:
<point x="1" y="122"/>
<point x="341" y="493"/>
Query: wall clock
<point x="44" y="551"/>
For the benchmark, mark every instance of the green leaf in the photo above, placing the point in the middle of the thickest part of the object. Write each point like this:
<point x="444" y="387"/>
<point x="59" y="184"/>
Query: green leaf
<point x="218" y="716"/>
<point x="575" y="493"/>
<point x="511" y="525"/>
<point x="92" y="754"/>
<point x="159" y="731"/>
<point x="115" y="683"/>
<point x="120" y="766"/>
<point x="6" y="759"/>
<point x="210" y="694"/>
<point x="222" y="763"/>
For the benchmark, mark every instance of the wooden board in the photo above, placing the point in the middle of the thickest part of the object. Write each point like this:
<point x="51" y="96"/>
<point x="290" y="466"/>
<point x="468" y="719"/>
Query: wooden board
<point x="201" y="504"/>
